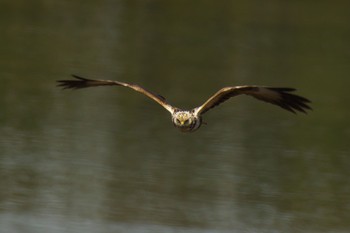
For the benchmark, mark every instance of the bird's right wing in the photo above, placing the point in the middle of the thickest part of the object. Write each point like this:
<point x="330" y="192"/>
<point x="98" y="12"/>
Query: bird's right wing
<point x="81" y="82"/>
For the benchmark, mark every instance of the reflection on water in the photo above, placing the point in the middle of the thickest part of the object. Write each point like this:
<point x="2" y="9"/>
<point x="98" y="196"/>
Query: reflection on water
<point x="108" y="160"/>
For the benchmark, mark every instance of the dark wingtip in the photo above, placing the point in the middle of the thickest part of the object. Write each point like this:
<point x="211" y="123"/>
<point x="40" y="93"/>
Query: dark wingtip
<point x="292" y="102"/>
<point x="72" y="84"/>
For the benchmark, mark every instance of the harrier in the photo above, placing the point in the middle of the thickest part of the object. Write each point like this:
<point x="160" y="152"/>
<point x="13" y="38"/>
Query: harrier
<point x="191" y="120"/>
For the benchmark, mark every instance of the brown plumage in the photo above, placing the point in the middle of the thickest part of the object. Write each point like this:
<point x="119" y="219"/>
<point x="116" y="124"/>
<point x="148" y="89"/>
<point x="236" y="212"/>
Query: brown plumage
<point x="188" y="121"/>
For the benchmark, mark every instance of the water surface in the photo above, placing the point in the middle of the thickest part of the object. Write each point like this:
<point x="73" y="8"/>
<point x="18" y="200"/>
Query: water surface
<point x="109" y="160"/>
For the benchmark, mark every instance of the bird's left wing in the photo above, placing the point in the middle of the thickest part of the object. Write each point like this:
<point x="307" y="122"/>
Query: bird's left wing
<point x="80" y="82"/>
<point x="274" y="95"/>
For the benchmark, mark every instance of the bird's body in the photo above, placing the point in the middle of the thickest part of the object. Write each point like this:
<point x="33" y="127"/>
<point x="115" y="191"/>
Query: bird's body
<point x="191" y="120"/>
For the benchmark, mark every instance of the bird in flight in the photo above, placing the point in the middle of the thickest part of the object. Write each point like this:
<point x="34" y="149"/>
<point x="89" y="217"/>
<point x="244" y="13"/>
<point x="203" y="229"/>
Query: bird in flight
<point x="191" y="120"/>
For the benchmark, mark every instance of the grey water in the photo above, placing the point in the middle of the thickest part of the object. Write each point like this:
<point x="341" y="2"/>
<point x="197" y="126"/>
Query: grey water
<point x="107" y="159"/>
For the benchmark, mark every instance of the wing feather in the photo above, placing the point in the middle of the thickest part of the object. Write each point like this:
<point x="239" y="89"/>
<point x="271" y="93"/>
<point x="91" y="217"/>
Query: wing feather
<point x="80" y="82"/>
<point x="273" y="95"/>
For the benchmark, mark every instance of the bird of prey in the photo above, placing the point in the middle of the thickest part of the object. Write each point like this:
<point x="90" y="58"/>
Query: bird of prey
<point x="191" y="120"/>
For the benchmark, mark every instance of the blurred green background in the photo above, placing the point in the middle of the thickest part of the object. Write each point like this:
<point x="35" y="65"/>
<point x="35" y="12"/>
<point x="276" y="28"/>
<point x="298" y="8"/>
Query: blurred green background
<point x="109" y="160"/>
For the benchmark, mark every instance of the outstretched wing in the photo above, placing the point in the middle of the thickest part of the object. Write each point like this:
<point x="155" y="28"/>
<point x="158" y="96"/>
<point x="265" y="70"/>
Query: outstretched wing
<point x="274" y="95"/>
<point x="80" y="82"/>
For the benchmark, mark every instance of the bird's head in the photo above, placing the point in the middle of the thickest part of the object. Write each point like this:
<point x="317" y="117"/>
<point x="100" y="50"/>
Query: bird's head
<point x="182" y="119"/>
<point x="185" y="121"/>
